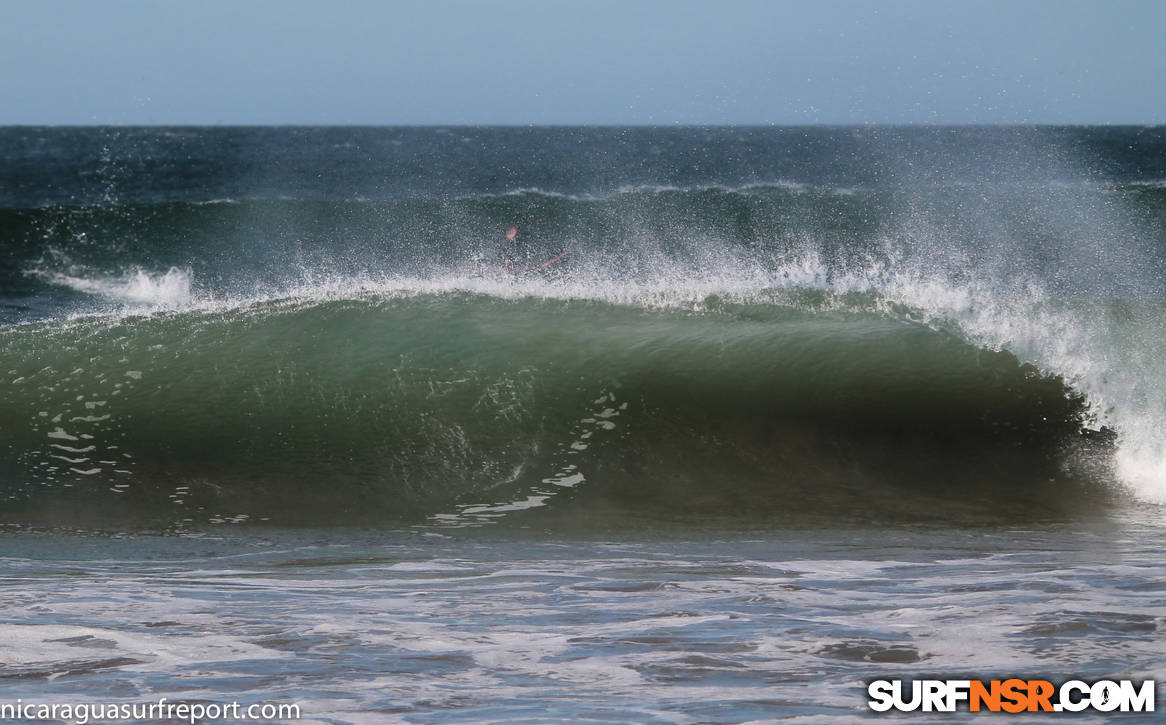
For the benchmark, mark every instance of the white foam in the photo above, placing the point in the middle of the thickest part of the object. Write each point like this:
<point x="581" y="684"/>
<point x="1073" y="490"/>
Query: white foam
<point x="633" y="189"/>
<point x="171" y="288"/>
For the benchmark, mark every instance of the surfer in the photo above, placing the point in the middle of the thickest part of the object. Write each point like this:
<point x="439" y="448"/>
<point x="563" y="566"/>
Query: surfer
<point x="518" y="256"/>
<point x="514" y="253"/>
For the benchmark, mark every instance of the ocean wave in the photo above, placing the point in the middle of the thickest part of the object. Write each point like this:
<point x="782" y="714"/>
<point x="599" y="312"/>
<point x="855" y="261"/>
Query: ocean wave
<point x="472" y="407"/>
<point x="627" y="190"/>
<point x="292" y="307"/>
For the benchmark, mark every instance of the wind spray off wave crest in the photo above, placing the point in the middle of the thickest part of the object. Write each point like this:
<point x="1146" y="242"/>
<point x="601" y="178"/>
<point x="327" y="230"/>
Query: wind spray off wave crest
<point x="138" y="287"/>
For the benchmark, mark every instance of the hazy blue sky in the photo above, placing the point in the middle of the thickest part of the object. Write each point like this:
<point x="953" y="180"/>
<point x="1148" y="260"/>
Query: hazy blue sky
<point x="565" y="62"/>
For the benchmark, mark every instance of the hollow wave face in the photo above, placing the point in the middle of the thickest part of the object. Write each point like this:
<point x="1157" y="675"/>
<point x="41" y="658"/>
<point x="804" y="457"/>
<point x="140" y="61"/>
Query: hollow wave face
<point x="458" y="407"/>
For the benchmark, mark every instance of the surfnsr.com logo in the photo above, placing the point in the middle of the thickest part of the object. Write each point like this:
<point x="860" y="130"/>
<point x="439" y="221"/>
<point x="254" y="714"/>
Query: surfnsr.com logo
<point x="1011" y="695"/>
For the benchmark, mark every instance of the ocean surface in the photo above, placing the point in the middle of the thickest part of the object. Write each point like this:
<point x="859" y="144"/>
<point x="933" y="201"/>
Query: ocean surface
<point x="743" y="419"/>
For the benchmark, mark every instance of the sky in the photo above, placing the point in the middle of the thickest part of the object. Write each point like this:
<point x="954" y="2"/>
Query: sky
<point x="519" y="62"/>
